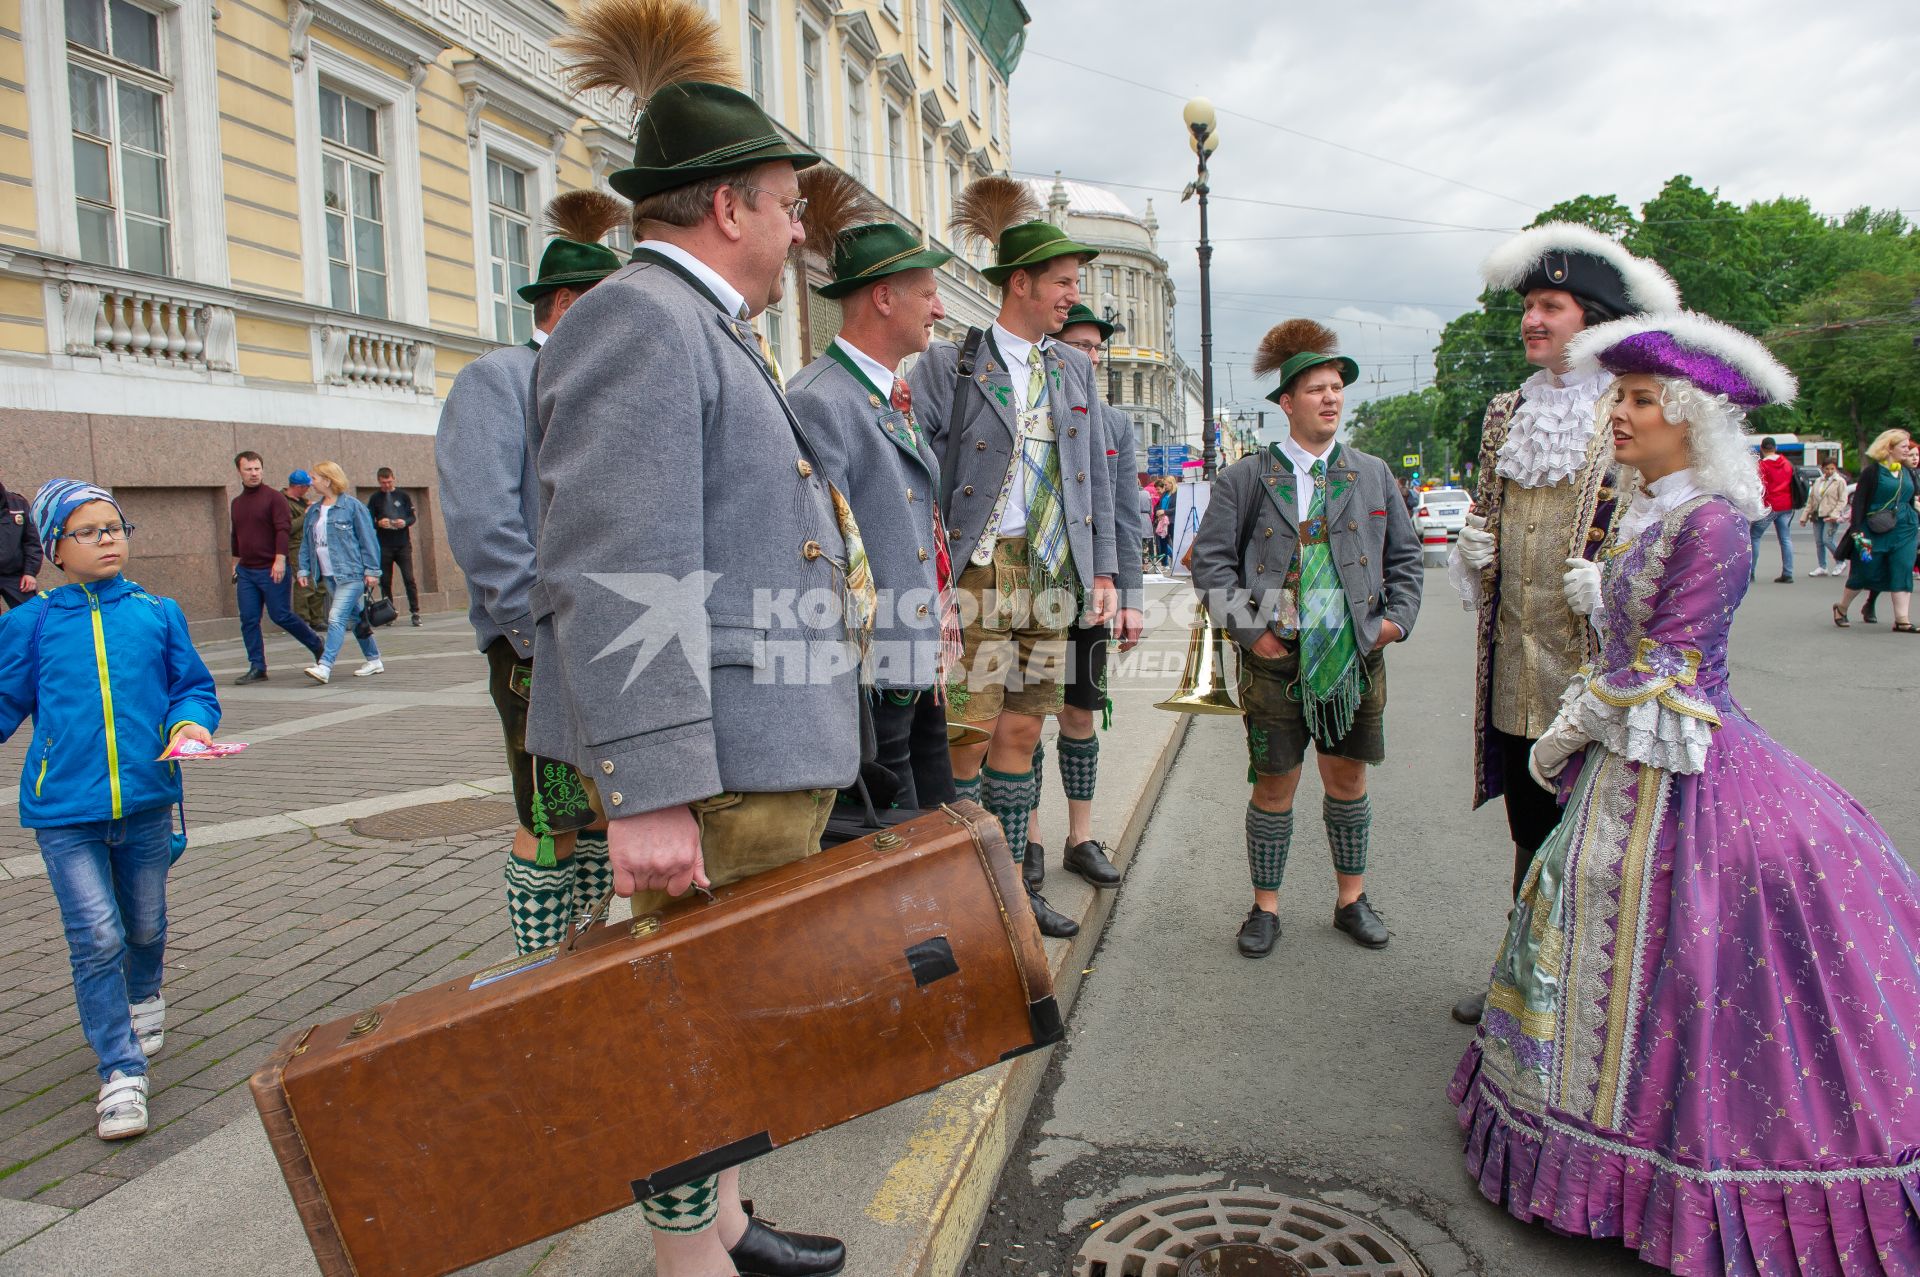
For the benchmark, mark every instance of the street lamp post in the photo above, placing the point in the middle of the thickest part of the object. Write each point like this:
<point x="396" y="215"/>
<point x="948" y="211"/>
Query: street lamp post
<point x="1203" y="135"/>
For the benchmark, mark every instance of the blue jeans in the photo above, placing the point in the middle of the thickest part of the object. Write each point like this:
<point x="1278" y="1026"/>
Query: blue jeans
<point x="1826" y="540"/>
<point x="255" y="588"/>
<point x="1782" y="523"/>
<point x="110" y="878"/>
<point x="343" y="613"/>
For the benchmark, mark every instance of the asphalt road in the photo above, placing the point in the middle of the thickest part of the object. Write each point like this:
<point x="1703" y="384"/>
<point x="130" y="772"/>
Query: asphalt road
<point x="1322" y="1070"/>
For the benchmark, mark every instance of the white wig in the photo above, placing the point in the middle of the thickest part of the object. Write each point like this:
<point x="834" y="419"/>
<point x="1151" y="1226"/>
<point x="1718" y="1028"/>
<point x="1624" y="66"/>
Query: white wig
<point x="1648" y="288"/>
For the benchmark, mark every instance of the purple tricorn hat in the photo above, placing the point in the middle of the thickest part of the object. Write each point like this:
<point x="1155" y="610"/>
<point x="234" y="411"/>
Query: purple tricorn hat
<point x="1718" y="359"/>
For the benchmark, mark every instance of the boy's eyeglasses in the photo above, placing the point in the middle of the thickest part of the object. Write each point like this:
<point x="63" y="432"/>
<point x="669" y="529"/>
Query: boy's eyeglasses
<point x="105" y="532"/>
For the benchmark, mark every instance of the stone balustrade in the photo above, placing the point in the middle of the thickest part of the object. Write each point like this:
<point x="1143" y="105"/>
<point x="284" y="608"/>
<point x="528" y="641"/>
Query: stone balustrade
<point x="139" y="325"/>
<point x="365" y="358"/>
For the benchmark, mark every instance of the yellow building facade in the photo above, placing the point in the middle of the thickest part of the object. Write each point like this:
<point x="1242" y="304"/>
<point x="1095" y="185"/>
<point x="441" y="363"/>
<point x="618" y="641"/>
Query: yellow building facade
<point x="284" y="226"/>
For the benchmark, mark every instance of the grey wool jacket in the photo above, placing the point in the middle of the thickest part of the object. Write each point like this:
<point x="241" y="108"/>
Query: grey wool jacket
<point x="867" y="451"/>
<point x="488" y="494"/>
<point x="687" y="541"/>
<point x="1129" y="524"/>
<point x="1250" y="531"/>
<point x="974" y="435"/>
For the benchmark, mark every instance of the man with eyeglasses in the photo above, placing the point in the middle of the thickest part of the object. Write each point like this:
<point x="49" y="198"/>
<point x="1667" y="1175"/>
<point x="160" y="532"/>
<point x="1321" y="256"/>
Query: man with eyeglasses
<point x="19" y="550"/>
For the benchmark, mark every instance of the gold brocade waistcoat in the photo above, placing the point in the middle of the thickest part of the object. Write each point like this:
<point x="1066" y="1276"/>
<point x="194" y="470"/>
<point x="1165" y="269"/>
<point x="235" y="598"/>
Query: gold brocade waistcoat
<point x="1538" y="642"/>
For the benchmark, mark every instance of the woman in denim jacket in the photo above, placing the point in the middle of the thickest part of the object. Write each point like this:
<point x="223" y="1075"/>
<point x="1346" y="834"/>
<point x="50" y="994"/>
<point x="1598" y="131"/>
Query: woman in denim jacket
<point x="341" y="552"/>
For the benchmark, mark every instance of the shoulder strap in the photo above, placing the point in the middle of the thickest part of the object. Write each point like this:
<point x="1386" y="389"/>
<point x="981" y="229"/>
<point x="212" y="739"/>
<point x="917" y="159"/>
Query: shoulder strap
<point x="963" y="377"/>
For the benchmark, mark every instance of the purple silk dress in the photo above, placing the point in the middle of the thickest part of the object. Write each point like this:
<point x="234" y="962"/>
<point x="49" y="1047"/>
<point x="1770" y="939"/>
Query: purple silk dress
<point x="1700" y="1035"/>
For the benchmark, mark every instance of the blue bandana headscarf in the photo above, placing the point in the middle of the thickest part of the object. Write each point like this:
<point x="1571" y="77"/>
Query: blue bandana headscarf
<point x="56" y="501"/>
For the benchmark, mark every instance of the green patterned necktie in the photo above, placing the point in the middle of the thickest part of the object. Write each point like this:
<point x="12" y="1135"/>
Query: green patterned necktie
<point x="1331" y="679"/>
<point x="1046" y="519"/>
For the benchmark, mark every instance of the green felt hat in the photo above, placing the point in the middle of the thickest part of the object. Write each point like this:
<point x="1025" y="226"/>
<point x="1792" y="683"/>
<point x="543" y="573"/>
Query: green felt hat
<point x="1029" y="244"/>
<point x="695" y="130"/>
<point x="867" y="254"/>
<point x="1081" y="314"/>
<point x="1349" y="371"/>
<point x="570" y="264"/>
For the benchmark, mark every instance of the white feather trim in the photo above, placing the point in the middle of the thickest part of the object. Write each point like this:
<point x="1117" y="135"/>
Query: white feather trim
<point x="1648" y="286"/>
<point x="1694" y="332"/>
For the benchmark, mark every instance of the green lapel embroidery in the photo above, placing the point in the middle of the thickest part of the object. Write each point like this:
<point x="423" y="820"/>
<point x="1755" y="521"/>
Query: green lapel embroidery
<point x="1003" y="393"/>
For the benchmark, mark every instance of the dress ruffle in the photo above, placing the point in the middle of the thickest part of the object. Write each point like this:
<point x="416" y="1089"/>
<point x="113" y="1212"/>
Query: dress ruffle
<point x="1548" y="437"/>
<point x="1734" y="1222"/>
<point x="1651" y="722"/>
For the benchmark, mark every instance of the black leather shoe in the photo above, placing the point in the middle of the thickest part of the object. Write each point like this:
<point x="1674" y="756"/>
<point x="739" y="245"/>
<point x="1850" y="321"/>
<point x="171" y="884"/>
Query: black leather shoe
<point x="1259" y="932"/>
<point x="1033" y="870"/>
<point x="1052" y="922"/>
<point x="766" y="1251"/>
<point x="1469" y="1009"/>
<point x="1783" y="579"/>
<point x="1089" y="860"/>
<point x="1870" y="616"/>
<point x="251" y="676"/>
<point x="1360" y="921"/>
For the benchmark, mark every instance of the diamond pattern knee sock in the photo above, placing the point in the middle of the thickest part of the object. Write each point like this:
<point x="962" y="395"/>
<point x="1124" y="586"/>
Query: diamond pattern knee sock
<point x="1008" y="798"/>
<point x="968" y="789"/>
<point x="691" y="1208"/>
<point x="1039" y="770"/>
<point x="1269" y="835"/>
<point x="593" y="872"/>
<point x="1349" y="824"/>
<point x="1079" y="766"/>
<point x="539" y="902"/>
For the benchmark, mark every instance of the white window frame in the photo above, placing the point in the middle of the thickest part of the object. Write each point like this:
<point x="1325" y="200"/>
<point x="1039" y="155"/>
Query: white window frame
<point x="973" y="84"/>
<point x="894" y="120"/>
<point x="823" y="126"/>
<point x="538" y="163"/>
<point x="400" y="139"/>
<point x="891" y="8"/>
<point x="772" y="11"/>
<point x="194" y="173"/>
<point x="352" y="159"/>
<point x="950" y="57"/>
<point x="993" y="108"/>
<point x="923" y="30"/>
<point x="930" y="189"/>
<point x="859" y="150"/>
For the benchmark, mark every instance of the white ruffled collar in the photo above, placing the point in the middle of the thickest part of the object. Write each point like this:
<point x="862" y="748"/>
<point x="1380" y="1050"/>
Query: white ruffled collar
<point x="1547" y="439"/>
<point x="1657" y="500"/>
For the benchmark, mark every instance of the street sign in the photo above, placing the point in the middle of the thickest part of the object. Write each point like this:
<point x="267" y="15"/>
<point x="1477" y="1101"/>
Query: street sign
<point x="1411" y="461"/>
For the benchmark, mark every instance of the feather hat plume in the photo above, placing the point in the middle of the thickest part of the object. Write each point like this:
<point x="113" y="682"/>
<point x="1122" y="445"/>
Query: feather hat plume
<point x="991" y="206"/>
<point x="641" y="46"/>
<point x="1293" y="337"/>
<point x="585" y="217"/>
<point x="836" y="204"/>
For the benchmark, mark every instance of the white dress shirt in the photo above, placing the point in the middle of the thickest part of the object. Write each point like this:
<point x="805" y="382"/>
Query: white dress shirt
<point x="730" y="299"/>
<point x="1296" y="452"/>
<point x="539" y="337"/>
<point x="881" y="377"/>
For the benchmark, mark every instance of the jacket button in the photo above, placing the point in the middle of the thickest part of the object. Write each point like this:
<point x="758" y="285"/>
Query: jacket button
<point x="805" y="467"/>
<point x="922" y="609"/>
<point x="981" y="446"/>
<point x="909" y="494"/>
<point x="616" y="798"/>
<point x="923" y="554"/>
<point x="1363" y="560"/>
<point x="954" y="535"/>
<point x="1596" y="535"/>
<point x="606" y="766"/>
<point x="1072" y="431"/>
<point x="967" y="491"/>
<point x="1081" y="477"/>
<point x="811" y="550"/>
<point x="1259" y="567"/>
<point x="1369" y="598"/>
<point x="1351" y="525"/>
<point x="1088" y="519"/>
<point x="1269" y="531"/>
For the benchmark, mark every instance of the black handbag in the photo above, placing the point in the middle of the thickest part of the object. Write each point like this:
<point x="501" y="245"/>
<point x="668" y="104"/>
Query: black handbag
<point x="380" y="611"/>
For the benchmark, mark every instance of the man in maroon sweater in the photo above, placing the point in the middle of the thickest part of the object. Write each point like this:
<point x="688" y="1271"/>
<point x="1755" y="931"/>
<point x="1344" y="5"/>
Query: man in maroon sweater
<point x="261" y="527"/>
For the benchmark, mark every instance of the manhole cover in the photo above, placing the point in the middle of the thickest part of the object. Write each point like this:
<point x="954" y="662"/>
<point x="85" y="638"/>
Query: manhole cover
<point x="1152" y="1239"/>
<point x="436" y="820"/>
<point x="1242" y="1259"/>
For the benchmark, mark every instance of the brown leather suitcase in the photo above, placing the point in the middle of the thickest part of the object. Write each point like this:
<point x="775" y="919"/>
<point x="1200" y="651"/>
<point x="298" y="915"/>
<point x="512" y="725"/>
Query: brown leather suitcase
<point x="463" y="1121"/>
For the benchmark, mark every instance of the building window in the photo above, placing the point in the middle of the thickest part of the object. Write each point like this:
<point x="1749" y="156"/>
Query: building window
<point x="993" y="108"/>
<point x="812" y="86"/>
<point x="897" y="190"/>
<point x="973" y="85"/>
<point x="1139" y="392"/>
<point x="1133" y="283"/>
<point x="892" y="9"/>
<point x="923" y="28"/>
<point x="757" y="50"/>
<point x="773" y="323"/>
<point x="118" y="98"/>
<point x="509" y="233"/>
<point x="929" y="178"/>
<point x="859" y="145"/>
<point x="953" y="186"/>
<point x="1113" y="387"/>
<point x="352" y="179"/>
<point x="951" y="67"/>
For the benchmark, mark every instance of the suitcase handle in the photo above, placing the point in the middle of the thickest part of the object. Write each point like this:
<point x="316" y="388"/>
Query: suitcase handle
<point x="598" y="914"/>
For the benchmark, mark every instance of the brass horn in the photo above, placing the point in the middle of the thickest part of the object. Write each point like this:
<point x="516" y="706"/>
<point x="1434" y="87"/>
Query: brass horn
<point x="1203" y="682"/>
<point x="959" y="734"/>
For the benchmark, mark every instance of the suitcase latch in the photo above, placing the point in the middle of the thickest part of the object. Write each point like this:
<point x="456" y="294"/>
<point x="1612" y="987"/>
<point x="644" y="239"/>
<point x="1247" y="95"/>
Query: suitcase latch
<point x="645" y="925"/>
<point x="365" y="1024"/>
<point x="888" y="841"/>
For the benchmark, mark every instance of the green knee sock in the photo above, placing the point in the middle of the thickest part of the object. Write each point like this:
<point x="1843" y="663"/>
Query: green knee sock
<point x="968" y="789"/>
<point x="539" y="903"/>
<point x="593" y="872"/>
<point x="1269" y="835"/>
<point x="1039" y="770"/>
<point x="1349" y="825"/>
<point x="1079" y="767"/>
<point x="1008" y="798"/>
<point x="690" y="1208"/>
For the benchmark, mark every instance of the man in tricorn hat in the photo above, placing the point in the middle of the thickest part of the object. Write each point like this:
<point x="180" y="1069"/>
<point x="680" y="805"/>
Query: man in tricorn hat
<point x="1307" y="557"/>
<point x="1027" y="500"/>
<point x="678" y="495"/>
<point x="860" y="416"/>
<point x="1078" y="745"/>
<point x="558" y="865"/>
<point x="1544" y="500"/>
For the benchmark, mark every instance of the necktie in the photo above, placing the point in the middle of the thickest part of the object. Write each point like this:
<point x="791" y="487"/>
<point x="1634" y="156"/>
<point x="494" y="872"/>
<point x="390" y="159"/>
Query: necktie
<point x="1331" y="679"/>
<point x="1046" y="517"/>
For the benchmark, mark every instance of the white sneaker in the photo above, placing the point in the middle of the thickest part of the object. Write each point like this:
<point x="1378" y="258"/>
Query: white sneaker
<point x="374" y="666"/>
<point x="122" y="1107"/>
<point x="319" y="673"/>
<point x="150" y="1024"/>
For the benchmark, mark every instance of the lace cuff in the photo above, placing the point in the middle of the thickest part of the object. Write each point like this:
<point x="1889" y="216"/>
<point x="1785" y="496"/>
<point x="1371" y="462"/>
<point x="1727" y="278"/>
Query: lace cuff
<point x="1464" y="579"/>
<point x="1646" y="713"/>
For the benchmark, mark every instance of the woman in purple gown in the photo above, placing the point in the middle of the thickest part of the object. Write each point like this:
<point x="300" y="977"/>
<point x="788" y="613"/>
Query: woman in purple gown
<point x="1701" y="1031"/>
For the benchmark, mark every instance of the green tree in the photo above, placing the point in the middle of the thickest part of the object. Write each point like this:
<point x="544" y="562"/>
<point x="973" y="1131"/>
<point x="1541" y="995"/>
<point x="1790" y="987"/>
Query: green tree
<point x="1853" y="348"/>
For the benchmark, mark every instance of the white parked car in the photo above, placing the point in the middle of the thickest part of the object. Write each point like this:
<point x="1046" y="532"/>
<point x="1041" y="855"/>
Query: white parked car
<point x="1442" y="509"/>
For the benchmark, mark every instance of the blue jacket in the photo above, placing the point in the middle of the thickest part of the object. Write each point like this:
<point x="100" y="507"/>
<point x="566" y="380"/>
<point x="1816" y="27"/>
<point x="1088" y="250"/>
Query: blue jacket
<point x="116" y="673"/>
<point x="352" y="548"/>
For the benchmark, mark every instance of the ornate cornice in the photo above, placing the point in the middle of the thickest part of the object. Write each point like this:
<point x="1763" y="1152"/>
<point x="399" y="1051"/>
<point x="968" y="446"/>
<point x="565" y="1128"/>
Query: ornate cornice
<point x="486" y="85"/>
<point x="895" y="73"/>
<point x="856" y="29"/>
<point x="515" y="36"/>
<point x="370" y="25"/>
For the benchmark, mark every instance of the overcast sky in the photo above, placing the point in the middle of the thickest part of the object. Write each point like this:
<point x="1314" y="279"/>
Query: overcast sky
<point x="1531" y="103"/>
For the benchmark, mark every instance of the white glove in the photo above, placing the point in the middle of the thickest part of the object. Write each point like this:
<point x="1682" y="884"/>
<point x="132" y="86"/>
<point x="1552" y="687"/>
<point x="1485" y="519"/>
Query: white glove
<point x="1476" y="543"/>
<point x="1550" y="754"/>
<point x="1581" y="586"/>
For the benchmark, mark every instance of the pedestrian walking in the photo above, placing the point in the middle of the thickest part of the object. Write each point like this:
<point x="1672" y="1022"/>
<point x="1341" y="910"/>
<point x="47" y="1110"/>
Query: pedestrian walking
<point x="1163" y="519"/>
<point x="1776" y="479"/>
<point x="309" y="604"/>
<point x="20" y="556"/>
<point x="1883" y="533"/>
<point x="1307" y="557"/>
<point x="111" y="680"/>
<point x="341" y="555"/>
<point x="1700" y="1025"/>
<point x="1828" y="510"/>
<point x="261" y="537"/>
<point x="393" y="519"/>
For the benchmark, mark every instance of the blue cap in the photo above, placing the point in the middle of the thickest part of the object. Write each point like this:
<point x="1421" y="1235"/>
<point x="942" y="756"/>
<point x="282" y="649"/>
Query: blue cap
<point x="56" y="501"/>
<point x="299" y="477"/>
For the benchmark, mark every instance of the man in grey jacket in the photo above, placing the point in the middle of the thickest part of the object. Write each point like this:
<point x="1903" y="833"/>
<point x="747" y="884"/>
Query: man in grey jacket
<point x="696" y="574"/>
<point x="1078" y="746"/>
<point x="1027" y="499"/>
<point x="860" y="418"/>
<point x="1308" y="559"/>
<point x="558" y="866"/>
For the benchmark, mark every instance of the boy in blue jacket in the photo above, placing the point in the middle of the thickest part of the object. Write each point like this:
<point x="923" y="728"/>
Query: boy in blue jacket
<point x="111" y="681"/>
